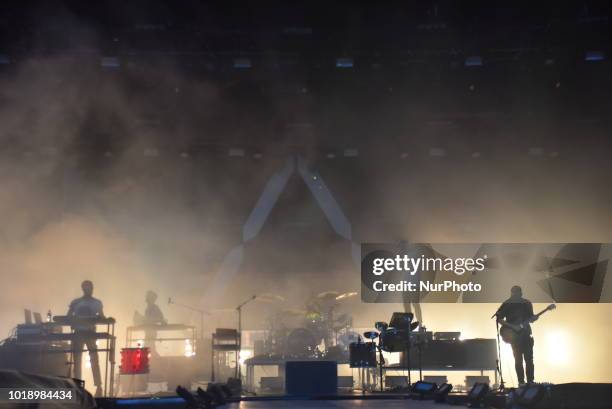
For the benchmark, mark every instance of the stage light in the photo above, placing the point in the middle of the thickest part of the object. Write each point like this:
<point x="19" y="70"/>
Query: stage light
<point x="244" y="355"/>
<point x="189" y="348"/>
<point x="242" y="63"/>
<point x="594" y="56"/>
<point x="344" y="63"/>
<point x="473" y="61"/>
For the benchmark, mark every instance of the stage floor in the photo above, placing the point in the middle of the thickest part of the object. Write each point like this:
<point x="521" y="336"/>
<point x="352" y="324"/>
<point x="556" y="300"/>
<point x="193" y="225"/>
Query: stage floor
<point x="340" y="404"/>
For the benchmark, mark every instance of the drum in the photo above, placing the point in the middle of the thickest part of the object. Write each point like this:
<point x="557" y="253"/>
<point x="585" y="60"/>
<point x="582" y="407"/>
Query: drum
<point x="394" y="340"/>
<point x="347" y="338"/>
<point x="134" y="361"/>
<point x="316" y="324"/>
<point x="301" y="343"/>
<point x="362" y="355"/>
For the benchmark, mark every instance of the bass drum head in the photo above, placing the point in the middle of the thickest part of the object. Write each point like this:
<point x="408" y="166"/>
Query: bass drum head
<point x="301" y="343"/>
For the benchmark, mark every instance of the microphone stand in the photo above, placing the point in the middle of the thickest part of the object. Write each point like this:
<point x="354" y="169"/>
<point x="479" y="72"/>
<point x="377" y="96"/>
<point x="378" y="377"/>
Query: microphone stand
<point x="201" y="312"/>
<point x="498" y="362"/>
<point x="239" y="309"/>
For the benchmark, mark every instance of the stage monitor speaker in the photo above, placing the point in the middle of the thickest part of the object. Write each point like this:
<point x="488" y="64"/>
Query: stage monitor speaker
<point x="512" y="400"/>
<point x="396" y="382"/>
<point x="423" y="390"/>
<point x="272" y="383"/>
<point x="235" y="386"/>
<point x="478" y="392"/>
<point x="424" y="387"/>
<point x="311" y="378"/>
<point x="532" y="395"/>
<point x="442" y="392"/>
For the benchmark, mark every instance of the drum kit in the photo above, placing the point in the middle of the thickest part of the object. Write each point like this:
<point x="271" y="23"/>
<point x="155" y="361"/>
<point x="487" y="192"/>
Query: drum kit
<point x="396" y="336"/>
<point x="318" y="331"/>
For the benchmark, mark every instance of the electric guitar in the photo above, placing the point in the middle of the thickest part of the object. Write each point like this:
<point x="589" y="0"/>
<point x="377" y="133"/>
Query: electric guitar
<point x="511" y="332"/>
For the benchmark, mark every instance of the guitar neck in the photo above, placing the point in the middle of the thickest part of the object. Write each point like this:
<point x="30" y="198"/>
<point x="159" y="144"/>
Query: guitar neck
<point x="542" y="312"/>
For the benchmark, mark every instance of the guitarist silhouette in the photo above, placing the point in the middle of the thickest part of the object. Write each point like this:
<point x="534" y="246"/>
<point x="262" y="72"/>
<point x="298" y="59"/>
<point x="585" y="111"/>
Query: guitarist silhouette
<point x="516" y="313"/>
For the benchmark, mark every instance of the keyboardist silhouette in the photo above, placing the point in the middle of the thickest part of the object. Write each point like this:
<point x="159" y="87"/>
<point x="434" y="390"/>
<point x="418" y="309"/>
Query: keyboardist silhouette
<point x="83" y="308"/>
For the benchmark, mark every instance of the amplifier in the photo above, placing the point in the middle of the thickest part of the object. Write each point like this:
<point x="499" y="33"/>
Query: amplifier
<point x="345" y="382"/>
<point x="470" y="380"/>
<point x="437" y="379"/>
<point x="29" y="331"/>
<point x="272" y="383"/>
<point x="447" y="336"/>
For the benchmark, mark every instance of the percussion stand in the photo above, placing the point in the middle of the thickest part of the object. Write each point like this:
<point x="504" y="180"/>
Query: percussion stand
<point x="498" y="362"/>
<point x="381" y="363"/>
<point x="420" y="350"/>
<point x="239" y="309"/>
<point x="408" y="363"/>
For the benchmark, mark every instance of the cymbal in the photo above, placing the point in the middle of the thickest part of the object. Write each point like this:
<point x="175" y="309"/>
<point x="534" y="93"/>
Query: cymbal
<point x="294" y="312"/>
<point x="344" y="296"/>
<point x="370" y="335"/>
<point x="342" y="319"/>
<point x="270" y="298"/>
<point x="328" y="295"/>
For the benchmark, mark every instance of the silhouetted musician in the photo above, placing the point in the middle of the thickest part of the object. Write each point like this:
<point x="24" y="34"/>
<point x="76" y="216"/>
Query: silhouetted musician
<point x="153" y="316"/>
<point x="88" y="309"/>
<point x="518" y="312"/>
